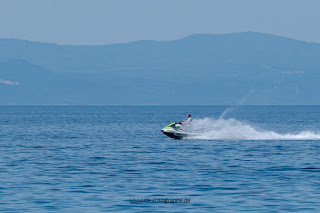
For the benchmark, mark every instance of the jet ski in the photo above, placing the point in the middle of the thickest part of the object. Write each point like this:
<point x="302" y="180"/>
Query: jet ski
<point x="174" y="130"/>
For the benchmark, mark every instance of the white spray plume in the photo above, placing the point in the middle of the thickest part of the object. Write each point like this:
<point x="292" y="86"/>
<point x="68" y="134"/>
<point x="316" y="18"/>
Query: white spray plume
<point x="239" y="103"/>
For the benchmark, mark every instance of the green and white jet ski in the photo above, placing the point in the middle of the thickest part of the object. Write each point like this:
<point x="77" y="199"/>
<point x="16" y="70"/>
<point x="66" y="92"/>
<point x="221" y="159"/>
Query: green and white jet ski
<point x="174" y="130"/>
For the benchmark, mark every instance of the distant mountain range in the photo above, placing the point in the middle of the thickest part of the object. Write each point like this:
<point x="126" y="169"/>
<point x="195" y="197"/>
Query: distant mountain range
<point x="201" y="69"/>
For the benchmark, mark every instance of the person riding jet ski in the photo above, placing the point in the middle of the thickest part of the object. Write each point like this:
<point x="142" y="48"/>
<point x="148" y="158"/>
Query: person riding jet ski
<point x="187" y="121"/>
<point x="176" y="130"/>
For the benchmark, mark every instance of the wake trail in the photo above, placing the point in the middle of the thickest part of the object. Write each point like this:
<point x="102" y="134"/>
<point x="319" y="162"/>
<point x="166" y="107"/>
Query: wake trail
<point x="232" y="129"/>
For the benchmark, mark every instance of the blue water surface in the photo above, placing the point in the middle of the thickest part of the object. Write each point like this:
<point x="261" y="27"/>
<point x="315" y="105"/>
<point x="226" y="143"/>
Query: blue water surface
<point x="96" y="159"/>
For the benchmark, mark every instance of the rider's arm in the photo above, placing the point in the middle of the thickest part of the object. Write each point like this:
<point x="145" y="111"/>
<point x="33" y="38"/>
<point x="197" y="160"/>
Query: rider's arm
<point x="185" y="122"/>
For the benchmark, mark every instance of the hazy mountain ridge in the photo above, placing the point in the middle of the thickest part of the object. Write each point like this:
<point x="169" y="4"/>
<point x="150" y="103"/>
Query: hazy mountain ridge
<point x="198" y="69"/>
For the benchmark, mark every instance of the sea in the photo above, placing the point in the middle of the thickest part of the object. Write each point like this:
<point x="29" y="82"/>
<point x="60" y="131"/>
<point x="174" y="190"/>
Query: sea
<point x="116" y="159"/>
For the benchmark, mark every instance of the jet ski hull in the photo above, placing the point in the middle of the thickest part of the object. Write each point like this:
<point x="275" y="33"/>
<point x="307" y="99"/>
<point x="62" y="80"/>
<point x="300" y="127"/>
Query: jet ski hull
<point x="173" y="130"/>
<point x="177" y="131"/>
<point x="173" y="135"/>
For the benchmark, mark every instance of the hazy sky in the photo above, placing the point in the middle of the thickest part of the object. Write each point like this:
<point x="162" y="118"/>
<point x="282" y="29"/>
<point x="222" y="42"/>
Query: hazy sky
<point x="105" y="22"/>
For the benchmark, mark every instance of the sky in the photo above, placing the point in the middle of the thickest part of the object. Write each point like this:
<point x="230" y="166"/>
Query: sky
<point x="95" y="22"/>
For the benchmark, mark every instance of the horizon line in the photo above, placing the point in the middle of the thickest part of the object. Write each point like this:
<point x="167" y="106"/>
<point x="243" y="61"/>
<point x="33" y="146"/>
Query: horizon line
<point x="153" y="105"/>
<point x="133" y="41"/>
